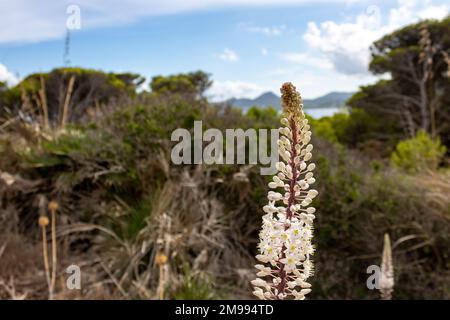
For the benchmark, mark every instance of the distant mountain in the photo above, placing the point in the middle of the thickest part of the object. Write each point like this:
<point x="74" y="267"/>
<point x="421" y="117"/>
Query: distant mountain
<point x="268" y="99"/>
<point x="330" y="100"/>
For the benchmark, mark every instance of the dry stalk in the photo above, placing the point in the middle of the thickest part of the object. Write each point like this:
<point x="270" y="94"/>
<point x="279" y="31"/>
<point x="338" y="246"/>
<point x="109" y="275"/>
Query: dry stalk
<point x="10" y="288"/>
<point x="44" y="105"/>
<point x="53" y="206"/>
<point x="67" y="102"/>
<point x="43" y="222"/>
<point x="161" y="258"/>
<point x="447" y="61"/>
<point x="25" y="99"/>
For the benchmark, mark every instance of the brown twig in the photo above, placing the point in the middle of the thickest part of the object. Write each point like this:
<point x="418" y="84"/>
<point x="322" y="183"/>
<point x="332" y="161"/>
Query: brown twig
<point x="43" y="98"/>
<point x="67" y="101"/>
<point x="53" y="206"/>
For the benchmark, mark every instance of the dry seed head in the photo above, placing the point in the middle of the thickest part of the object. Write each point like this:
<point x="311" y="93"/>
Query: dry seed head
<point x="160" y="259"/>
<point x="43" y="221"/>
<point x="53" y="205"/>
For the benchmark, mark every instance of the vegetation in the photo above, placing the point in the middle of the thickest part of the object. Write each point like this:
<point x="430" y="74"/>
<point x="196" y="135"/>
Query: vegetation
<point x="419" y="153"/>
<point x="416" y="97"/>
<point x="141" y="227"/>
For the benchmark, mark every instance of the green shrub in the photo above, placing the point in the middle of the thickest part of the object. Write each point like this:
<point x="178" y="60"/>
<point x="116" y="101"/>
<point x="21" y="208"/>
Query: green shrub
<point x="418" y="153"/>
<point x="356" y="206"/>
<point x="342" y="127"/>
<point x="263" y="117"/>
<point x="195" y="287"/>
<point x="324" y="128"/>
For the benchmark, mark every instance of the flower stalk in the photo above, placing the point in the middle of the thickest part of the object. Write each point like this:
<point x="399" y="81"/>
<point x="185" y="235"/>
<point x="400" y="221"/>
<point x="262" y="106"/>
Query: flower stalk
<point x="52" y="207"/>
<point x="387" y="270"/>
<point x="43" y="221"/>
<point x="285" y="239"/>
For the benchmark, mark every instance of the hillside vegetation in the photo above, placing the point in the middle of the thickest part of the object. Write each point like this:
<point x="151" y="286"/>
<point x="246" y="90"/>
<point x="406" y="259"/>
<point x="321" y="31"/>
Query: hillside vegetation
<point x="97" y="151"/>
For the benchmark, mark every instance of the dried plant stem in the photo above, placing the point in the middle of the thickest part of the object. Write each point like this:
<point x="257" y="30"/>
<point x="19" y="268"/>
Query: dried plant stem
<point x="54" y="256"/>
<point x="44" y="106"/>
<point x="11" y="290"/>
<point x="161" y="258"/>
<point x="46" y="262"/>
<point x="447" y="61"/>
<point x="24" y="97"/>
<point x="115" y="281"/>
<point x="67" y="101"/>
<point x="161" y="282"/>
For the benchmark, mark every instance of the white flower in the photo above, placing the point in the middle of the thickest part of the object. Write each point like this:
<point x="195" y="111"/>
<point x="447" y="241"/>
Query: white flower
<point x="311" y="210"/>
<point x="290" y="262"/>
<point x="280" y="166"/>
<point x="298" y="295"/>
<point x="262" y="258"/>
<point x="259" y="293"/>
<point x="305" y="291"/>
<point x="285" y="239"/>
<point x="302" y="283"/>
<point x="274" y="196"/>
<point x="308" y="156"/>
<point x="259" y="282"/>
<point x="312" y="193"/>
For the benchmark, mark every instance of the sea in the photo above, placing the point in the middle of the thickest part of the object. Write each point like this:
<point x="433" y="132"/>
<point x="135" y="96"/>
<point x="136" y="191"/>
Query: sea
<point x="318" y="113"/>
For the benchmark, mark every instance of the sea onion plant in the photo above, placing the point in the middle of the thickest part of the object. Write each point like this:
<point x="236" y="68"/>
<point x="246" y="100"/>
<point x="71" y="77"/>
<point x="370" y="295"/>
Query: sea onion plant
<point x="285" y="239"/>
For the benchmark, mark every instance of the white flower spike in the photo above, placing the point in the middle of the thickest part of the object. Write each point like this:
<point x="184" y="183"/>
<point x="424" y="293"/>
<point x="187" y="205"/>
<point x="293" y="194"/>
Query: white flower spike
<point x="285" y="239"/>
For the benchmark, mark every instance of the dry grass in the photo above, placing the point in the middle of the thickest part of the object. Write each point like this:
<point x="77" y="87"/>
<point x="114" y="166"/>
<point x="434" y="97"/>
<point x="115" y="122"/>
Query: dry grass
<point x="437" y="186"/>
<point x="199" y="232"/>
<point x="214" y="216"/>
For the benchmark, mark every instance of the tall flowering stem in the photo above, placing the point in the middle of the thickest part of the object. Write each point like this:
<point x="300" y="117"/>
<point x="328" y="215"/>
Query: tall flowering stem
<point x="387" y="270"/>
<point x="285" y="239"/>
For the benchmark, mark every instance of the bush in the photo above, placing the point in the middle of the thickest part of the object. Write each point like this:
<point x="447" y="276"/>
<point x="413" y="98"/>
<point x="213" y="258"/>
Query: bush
<point x="419" y="153"/>
<point x="324" y="128"/>
<point x="116" y="173"/>
<point x="356" y="206"/>
<point x="349" y="129"/>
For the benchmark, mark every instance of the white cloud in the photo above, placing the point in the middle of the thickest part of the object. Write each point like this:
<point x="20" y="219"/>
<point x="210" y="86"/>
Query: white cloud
<point x="434" y="12"/>
<point x="346" y="44"/>
<point x="228" y="55"/>
<point x="271" y="31"/>
<point x="312" y="84"/>
<point x="308" y="59"/>
<point x="7" y="76"/>
<point x="264" y="52"/>
<point x="223" y="90"/>
<point x="32" y="21"/>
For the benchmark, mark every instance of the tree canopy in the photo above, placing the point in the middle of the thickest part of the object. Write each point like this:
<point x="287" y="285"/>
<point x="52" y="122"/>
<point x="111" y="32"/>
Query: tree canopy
<point x="67" y="94"/>
<point x="416" y="94"/>
<point x="192" y="83"/>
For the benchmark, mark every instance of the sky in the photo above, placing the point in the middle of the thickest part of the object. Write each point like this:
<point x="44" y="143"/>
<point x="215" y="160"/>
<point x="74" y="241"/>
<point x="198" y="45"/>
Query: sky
<point x="248" y="46"/>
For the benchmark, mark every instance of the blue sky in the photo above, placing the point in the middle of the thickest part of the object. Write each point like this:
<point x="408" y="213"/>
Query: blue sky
<point x="248" y="46"/>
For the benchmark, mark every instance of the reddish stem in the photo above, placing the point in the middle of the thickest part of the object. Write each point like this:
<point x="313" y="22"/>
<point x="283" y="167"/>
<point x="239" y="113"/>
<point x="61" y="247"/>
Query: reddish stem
<point x="282" y="274"/>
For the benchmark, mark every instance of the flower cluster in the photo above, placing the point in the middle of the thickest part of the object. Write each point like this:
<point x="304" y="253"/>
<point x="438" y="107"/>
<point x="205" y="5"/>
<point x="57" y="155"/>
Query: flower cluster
<point x="285" y="239"/>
